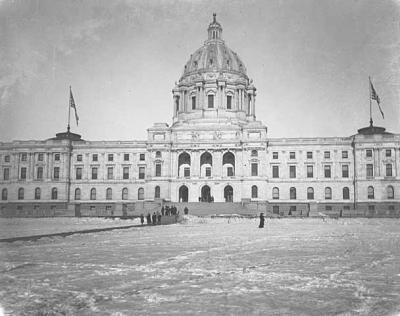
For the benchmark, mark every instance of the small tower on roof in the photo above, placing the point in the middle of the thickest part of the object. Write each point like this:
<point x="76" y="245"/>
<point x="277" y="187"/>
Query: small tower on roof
<point x="214" y="29"/>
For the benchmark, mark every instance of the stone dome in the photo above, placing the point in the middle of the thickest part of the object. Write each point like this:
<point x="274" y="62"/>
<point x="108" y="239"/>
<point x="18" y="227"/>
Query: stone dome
<point x="214" y="55"/>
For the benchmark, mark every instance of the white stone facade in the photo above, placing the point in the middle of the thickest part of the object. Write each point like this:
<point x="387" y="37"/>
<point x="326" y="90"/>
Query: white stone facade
<point x="215" y="150"/>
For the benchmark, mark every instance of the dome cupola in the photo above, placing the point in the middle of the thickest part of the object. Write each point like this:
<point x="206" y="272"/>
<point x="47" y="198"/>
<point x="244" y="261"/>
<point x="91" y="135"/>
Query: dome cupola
<point x="214" y="29"/>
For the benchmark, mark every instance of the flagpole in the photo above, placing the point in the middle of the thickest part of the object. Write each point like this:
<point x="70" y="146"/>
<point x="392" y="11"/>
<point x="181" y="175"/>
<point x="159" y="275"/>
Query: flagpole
<point x="370" y="103"/>
<point x="69" y="109"/>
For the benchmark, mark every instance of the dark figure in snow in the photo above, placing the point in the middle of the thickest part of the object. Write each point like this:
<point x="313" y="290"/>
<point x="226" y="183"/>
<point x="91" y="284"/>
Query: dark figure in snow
<point x="162" y="211"/>
<point x="159" y="219"/>
<point x="167" y="210"/>
<point x="261" y="221"/>
<point x="148" y="219"/>
<point x="142" y="219"/>
<point x="341" y="213"/>
<point x="186" y="210"/>
<point x="154" y="218"/>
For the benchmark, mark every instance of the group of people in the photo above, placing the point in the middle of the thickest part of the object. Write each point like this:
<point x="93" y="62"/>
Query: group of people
<point x="155" y="219"/>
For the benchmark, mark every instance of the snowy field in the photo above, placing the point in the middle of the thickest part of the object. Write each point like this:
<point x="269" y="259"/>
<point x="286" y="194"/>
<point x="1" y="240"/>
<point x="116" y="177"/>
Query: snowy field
<point x="209" y="267"/>
<point x="19" y="227"/>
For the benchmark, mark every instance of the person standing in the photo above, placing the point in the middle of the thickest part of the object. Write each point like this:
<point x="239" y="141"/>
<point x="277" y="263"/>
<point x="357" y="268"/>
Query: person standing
<point x="262" y="220"/>
<point x="162" y="210"/>
<point x="142" y="218"/>
<point x="148" y="218"/>
<point x="154" y="218"/>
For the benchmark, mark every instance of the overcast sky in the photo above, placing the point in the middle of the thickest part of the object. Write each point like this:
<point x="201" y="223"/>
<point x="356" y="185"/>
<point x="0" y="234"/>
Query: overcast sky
<point x="309" y="59"/>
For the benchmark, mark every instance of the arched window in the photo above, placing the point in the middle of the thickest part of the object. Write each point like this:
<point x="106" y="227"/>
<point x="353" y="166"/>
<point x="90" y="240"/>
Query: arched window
<point x="254" y="192"/>
<point x="140" y="194"/>
<point x="275" y="194"/>
<point x="371" y="194"/>
<point x="158" y="154"/>
<point x="346" y="193"/>
<point x="328" y="193"/>
<point x="54" y="194"/>
<point x="184" y="161"/>
<point x="228" y="162"/>
<point x="293" y="193"/>
<point x="157" y="192"/>
<point x="109" y="194"/>
<point x="4" y="194"/>
<point x="390" y="192"/>
<point x="77" y="194"/>
<point x="93" y="194"/>
<point x="125" y="193"/>
<point x="254" y="153"/>
<point x="21" y="193"/>
<point x="310" y="193"/>
<point x="37" y="193"/>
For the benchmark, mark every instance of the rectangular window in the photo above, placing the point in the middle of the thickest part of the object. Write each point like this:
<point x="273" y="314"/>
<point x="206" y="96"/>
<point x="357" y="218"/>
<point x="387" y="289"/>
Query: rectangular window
<point x="345" y="154"/>
<point x="7" y="158"/>
<point x="193" y="103"/>
<point x="40" y="157"/>
<point x="345" y="171"/>
<point x="208" y="171"/>
<point x="142" y="157"/>
<point x="94" y="173"/>
<point x="56" y="173"/>
<point x="108" y="207"/>
<point x="275" y="155"/>
<point x="110" y="173"/>
<point x="186" y="172"/>
<point x="388" y="153"/>
<point x="370" y="170"/>
<point x="229" y="102"/>
<point x="141" y="172"/>
<point x="309" y="154"/>
<point x="328" y="208"/>
<point x="6" y="174"/>
<point x="368" y="153"/>
<point x="310" y="171"/>
<point x="158" y="170"/>
<point x="275" y="171"/>
<point x="389" y="170"/>
<point x="327" y="154"/>
<point x="24" y="157"/>
<point x="78" y="157"/>
<point x="126" y="157"/>
<point x="254" y="169"/>
<point x="56" y="157"/>
<point x="23" y="173"/>
<point x="39" y="173"/>
<point x="78" y="174"/>
<point x="110" y="157"/>
<point x="327" y="171"/>
<point x="292" y="172"/>
<point x="229" y="171"/>
<point x="125" y="173"/>
<point x="275" y="209"/>
<point x="95" y="157"/>
<point x="346" y="208"/>
<point x="210" y="101"/>
<point x="292" y="209"/>
<point x="371" y="207"/>
<point x="292" y="155"/>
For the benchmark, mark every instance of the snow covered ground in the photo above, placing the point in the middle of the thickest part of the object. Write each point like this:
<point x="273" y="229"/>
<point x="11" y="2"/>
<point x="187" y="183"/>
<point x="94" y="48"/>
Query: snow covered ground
<point x="211" y="267"/>
<point x="18" y="227"/>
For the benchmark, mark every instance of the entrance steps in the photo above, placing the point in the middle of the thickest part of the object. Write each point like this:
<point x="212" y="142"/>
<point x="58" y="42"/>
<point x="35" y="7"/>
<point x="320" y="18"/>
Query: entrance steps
<point x="216" y="208"/>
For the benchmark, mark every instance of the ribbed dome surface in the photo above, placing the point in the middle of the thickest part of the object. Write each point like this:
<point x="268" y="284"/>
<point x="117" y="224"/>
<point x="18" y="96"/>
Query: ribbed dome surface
<point x="214" y="56"/>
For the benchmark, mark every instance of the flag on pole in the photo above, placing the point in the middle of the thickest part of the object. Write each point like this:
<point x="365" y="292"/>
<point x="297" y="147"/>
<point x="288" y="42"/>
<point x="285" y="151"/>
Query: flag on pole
<point x="72" y="105"/>
<point x="375" y="96"/>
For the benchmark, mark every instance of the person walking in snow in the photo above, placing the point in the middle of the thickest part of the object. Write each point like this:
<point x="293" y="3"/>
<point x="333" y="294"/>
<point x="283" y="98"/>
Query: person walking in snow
<point x="261" y="221"/>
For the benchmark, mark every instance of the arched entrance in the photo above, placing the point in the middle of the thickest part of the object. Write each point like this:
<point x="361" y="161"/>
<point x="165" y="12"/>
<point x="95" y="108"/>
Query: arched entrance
<point x="183" y="194"/>
<point x="206" y="194"/>
<point x="228" y="193"/>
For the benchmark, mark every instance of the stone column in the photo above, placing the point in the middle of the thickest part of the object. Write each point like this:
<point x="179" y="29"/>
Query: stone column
<point x="253" y="104"/>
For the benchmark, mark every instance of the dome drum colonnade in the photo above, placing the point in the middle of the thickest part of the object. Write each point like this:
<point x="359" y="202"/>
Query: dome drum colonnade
<point x="214" y="80"/>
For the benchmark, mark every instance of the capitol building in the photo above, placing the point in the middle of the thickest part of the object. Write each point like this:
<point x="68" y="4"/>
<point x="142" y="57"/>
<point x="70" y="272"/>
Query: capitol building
<point x="215" y="155"/>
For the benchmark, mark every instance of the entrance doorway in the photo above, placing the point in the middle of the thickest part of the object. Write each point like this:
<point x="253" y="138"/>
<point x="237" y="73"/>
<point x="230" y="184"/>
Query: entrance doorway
<point x="206" y="194"/>
<point x="183" y="194"/>
<point x="228" y="193"/>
